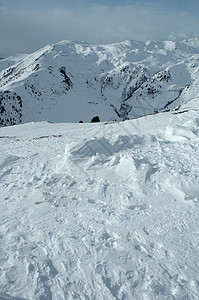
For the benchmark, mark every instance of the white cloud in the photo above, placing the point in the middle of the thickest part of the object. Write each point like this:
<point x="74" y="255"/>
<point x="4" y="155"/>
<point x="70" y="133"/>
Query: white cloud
<point x="28" y="30"/>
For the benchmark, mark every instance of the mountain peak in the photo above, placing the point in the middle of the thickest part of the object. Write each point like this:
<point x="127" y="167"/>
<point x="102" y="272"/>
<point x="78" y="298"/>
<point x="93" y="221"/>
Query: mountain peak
<point x="71" y="81"/>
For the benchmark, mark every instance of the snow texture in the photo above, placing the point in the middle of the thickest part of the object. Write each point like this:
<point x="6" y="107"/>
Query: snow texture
<point x="101" y="210"/>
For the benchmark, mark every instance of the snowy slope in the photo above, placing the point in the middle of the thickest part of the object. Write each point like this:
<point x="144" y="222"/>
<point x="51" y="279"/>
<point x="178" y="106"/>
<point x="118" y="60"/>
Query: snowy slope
<point x="101" y="211"/>
<point x="73" y="81"/>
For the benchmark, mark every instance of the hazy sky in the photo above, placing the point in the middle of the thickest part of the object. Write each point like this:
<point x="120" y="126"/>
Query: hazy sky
<point x="27" y="25"/>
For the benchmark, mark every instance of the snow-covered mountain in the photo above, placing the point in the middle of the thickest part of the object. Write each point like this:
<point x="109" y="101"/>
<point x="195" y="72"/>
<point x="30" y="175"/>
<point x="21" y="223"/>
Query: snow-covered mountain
<point x="73" y="81"/>
<point x="105" y="211"/>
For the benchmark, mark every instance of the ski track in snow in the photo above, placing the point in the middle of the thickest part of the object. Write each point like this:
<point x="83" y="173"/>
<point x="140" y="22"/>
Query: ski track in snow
<point x="100" y="211"/>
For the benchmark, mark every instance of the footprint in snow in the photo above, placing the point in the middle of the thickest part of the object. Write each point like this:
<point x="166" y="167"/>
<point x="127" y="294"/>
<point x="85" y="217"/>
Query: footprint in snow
<point x="58" y="189"/>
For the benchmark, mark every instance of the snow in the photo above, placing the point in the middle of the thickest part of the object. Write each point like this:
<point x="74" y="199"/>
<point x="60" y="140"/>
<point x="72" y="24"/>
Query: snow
<point x="101" y="211"/>
<point x="71" y="81"/>
<point x="7" y="62"/>
<point x="169" y="45"/>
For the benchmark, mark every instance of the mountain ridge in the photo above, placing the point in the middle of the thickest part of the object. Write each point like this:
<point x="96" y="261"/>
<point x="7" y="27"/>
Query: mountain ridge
<point x="71" y="81"/>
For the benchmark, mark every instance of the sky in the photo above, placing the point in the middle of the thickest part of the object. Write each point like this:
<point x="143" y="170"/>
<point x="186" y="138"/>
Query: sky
<point x="28" y="25"/>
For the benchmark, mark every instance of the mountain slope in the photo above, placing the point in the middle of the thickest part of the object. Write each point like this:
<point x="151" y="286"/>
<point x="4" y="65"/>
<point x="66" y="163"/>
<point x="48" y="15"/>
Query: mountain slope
<point x="101" y="211"/>
<point x="73" y="81"/>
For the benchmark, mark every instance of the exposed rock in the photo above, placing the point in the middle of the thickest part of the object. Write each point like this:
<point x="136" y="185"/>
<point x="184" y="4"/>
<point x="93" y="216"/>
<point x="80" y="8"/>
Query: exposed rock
<point x="10" y="108"/>
<point x="95" y="119"/>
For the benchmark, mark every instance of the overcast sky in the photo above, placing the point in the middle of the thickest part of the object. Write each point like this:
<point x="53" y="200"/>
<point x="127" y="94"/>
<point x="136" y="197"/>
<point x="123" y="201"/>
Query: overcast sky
<point x="27" y="25"/>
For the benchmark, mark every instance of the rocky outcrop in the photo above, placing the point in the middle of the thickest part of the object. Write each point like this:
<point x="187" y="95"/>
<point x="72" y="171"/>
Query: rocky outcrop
<point x="10" y="108"/>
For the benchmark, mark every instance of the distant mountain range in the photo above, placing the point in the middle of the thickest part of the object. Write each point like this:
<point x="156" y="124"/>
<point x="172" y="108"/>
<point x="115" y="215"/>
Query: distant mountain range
<point x="74" y="81"/>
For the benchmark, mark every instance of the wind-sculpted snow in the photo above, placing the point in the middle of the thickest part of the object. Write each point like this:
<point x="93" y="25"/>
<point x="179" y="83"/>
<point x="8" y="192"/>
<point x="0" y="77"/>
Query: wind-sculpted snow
<point x="101" y="211"/>
<point x="75" y="81"/>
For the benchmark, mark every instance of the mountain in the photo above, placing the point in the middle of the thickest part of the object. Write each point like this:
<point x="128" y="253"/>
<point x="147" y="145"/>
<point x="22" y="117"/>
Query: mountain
<point x="106" y="210"/>
<point x="74" y="81"/>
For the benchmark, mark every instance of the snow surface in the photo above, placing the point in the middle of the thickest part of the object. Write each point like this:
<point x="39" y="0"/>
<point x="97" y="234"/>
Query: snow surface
<point x="101" y="211"/>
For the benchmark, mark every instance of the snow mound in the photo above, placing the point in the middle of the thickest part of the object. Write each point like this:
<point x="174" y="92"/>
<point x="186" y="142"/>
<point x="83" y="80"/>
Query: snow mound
<point x="176" y="133"/>
<point x="99" y="151"/>
<point x="97" y="160"/>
